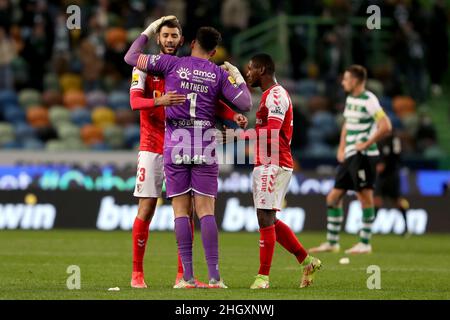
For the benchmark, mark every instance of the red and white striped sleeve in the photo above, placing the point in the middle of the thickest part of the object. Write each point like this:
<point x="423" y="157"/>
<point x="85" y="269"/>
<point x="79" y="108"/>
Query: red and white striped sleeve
<point x="277" y="103"/>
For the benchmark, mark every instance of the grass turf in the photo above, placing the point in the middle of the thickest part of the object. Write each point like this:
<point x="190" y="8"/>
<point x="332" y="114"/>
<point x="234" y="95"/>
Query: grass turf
<point x="33" y="265"/>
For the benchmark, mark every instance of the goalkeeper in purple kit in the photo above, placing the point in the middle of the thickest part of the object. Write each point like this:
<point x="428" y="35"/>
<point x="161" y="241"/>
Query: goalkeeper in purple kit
<point x="190" y="165"/>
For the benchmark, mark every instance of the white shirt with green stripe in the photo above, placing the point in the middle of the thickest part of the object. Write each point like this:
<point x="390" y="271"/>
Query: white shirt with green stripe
<point x="361" y="115"/>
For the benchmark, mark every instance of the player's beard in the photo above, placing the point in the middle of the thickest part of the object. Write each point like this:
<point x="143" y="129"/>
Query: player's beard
<point x="164" y="50"/>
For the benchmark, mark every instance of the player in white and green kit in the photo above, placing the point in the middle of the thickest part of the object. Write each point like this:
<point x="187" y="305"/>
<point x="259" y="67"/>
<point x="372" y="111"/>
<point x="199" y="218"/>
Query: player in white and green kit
<point x="365" y="124"/>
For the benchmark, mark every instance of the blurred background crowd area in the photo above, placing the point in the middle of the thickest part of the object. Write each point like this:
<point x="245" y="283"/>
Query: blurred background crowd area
<point x="64" y="89"/>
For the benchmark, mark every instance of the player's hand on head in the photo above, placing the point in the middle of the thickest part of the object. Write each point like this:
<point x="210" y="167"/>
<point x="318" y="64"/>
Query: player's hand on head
<point x="154" y="26"/>
<point x="240" y="120"/>
<point x="171" y="98"/>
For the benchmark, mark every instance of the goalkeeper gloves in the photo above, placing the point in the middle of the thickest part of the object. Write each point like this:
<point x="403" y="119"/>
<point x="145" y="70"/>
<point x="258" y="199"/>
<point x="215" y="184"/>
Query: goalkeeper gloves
<point x="234" y="72"/>
<point x="153" y="27"/>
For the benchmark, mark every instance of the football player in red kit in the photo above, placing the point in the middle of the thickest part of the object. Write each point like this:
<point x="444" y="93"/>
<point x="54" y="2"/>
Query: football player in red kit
<point x="273" y="171"/>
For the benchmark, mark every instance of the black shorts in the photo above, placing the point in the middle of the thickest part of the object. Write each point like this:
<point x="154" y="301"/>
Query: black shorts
<point x="356" y="173"/>
<point x="388" y="186"/>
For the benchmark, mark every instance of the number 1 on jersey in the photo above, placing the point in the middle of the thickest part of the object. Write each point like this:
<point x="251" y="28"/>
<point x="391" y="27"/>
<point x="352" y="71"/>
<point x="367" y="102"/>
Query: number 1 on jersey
<point x="193" y="103"/>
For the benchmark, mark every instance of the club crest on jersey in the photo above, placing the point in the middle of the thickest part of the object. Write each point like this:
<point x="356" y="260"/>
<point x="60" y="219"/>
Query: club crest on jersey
<point x="154" y="59"/>
<point x="139" y="188"/>
<point x="184" y="73"/>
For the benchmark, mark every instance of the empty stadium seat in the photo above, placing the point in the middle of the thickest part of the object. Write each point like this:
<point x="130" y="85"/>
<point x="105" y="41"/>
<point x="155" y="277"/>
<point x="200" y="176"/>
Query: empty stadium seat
<point x="74" y="99"/>
<point x="55" y="145"/>
<point x="307" y="88"/>
<point x="14" y="114"/>
<point x="32" y="144"/>
<point x="24" y="131"/>
<point x="96" y="98"/>
<point x="386" y="103"/>
<point x="410" y="123"/>
<point x="74" y="144"/>
<point x="7" y="135"/>
<point x="103" y="116"/>
<point x="114" y="136"/>
<point x="37" y="117"/>
<point x="126" y="117"/>
<point x="403" y="105"/>
<point x="29" y="97"/>
<point x="8" y="97"/>
<point x="317" y="103"/>
<point x="375" y="86"/>
<point x="51" y="82"/>
<point x="68" y="131"/>
<point x="90" y="134"/>
<point x="51" y="97"/>
<point x="80" y="116"/>
<point x="70" y="81"/>
<point x="131" y="136"/>
<point x="59" y="115"/>
<point x="119" y="100"/>
<point x="115" y="35"/>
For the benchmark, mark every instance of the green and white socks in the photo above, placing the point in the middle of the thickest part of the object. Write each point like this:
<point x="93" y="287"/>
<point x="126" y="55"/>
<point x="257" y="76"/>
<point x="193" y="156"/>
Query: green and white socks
<point x="335" y="217"/>
<point x="367" y="220"/>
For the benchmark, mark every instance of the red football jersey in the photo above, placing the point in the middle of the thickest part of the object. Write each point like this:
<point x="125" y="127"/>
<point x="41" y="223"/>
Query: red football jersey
<point x="275" y="106"/>
<point x="152" y="121"/>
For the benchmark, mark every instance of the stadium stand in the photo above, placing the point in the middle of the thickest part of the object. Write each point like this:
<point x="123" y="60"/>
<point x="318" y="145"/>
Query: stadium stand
<point x="64" y="89"/>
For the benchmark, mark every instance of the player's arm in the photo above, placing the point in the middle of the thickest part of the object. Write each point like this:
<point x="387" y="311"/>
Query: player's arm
<point x="223" y="111"/>
<point x="138" y="99"/>
<point x="384" y="126"/>
<point x="235" y="89"/>
<point x="341" y="148"/>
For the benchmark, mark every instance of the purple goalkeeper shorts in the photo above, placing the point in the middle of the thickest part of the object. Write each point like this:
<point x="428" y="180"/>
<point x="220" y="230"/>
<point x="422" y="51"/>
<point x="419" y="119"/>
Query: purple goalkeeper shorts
<point x="183" y="178"/>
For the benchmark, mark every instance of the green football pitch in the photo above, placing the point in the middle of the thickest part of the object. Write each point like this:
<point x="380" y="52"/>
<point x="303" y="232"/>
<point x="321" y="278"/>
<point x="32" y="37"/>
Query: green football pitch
<point x="33" y="265"/>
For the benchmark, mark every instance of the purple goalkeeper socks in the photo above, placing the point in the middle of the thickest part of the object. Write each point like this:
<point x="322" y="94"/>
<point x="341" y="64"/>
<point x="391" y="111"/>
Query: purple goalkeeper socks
<point x="210" y="239"/>
<point x="184" y="240"/>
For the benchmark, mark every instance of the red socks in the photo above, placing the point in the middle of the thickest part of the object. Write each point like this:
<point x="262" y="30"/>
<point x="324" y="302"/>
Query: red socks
<point x="286" y="237"/>
<point x="140" y="236"/>
<point x="266" y="249"/>
<point x="180" y="264"/>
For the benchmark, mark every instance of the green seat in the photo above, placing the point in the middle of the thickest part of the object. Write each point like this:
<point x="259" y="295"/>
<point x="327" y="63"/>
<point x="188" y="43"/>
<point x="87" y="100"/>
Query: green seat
<point x="55" y="145"/>
<point x="132" y="34"/>
<point x="67" y="131"/>
<point x="376" y="87"/>
<point x="59" y="115"/>
<point x="51" y="82"/>
<point x="75" y="144"/>
<point x="6" y="133"/>
<point x="29" y="97"/>
<point x="411" y="123"/>
<point x="434" y="152"/>
<point x="114" y="136"/>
